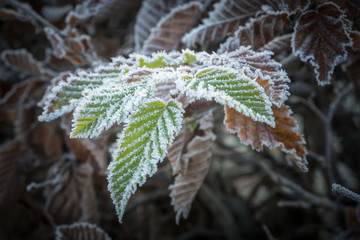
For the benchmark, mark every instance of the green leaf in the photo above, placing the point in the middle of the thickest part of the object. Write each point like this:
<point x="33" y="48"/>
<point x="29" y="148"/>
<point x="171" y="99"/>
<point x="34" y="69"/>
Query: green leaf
<point x="231" y="88"/>
<point x="141" y="146"/>
<point x="67" y="90"/>
<point x="107" y="105"/>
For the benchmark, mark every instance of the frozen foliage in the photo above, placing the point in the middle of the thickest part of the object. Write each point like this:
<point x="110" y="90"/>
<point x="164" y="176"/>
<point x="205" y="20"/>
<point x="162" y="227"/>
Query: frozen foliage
<point x="148" y="94"/>
<point x="22" y="60"/>
<point x="284" y="134"/>
<point x="231" y="88"/>
<point x="99" y="110"/>
<point x="321" y="37"/>
<point x="141" y="146"/>
<point x="226" y="17"/>
<point x="166" y="35"/>
<point x="191" y="167"/>
<point x="80" y="231"/>
<point x="257" y="31"/>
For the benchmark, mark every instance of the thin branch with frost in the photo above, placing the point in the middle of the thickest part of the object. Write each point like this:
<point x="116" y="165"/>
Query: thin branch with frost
<point x="341" y="190"/>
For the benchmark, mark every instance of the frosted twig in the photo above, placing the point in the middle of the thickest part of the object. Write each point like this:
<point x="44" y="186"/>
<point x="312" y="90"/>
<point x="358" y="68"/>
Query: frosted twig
<point x="327" y="120"/>
<point x="328" y="135"/>
<point x="345" y="192"/>
<point x="268" y="233"/>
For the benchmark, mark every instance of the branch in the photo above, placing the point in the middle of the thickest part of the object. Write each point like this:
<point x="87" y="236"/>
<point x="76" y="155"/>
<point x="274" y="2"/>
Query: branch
<point x="337" y="188"/>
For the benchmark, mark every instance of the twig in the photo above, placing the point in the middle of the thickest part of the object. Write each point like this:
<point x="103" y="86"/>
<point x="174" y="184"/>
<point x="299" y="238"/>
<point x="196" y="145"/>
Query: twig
<point x="279" y="179"/>
<point x="219" y="209"/>
<point x="337" y="188"/>
<point x="328" y="135"/>
<point x="268" y="233"/>
<point x="327" y="120"/>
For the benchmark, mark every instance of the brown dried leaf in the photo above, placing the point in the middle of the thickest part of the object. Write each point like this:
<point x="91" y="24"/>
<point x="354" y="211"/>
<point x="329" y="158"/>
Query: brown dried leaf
<point x="100" y="10"/>
<point x="257" y="134"/>
<point x="176" y="149"/>
<point x="279" y="45"/>
<point x="11" y="178"/>
<point x="321" y="37"/>
<point x="257" y="32"/>
<point x="194" y="167"/>
<point x="226" y="17"/>
<point x="72" y="198"/>
<point x="74" y="47"/>
<point x="170" y="29"/>
<point x="150" y="13"/>
<point x="23" y="61"/>
<point x="24" y="93"/>
<point x="80" y="231"/>
<point x="88" y="150"/>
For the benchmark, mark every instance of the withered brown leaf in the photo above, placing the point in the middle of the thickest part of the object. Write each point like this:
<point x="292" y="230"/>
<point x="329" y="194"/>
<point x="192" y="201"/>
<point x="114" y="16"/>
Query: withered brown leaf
<point x="285" y="134"/>
<point x="321" y="37"/>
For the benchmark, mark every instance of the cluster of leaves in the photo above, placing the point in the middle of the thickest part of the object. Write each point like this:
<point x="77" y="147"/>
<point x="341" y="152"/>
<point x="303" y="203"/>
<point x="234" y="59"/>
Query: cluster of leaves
<point x="162" y="103"/>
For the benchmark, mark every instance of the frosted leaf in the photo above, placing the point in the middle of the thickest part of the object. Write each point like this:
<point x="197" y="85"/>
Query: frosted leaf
<point x="279" y="45"/>
<point x="165" y="90"/>
<point x="23" y="61"/>
<point x="226" y="17"/>
<point x="257" y="32"/>
<point x="230" y="88"/>
<point x="99" y="10"/>
<point x="110" y="104"/>
<point x="175" y="150"/>
<point x="72" y="196"/>
<point x="193" y="167"/>
<point x="11" y="179"/>
<point x="167" y="34"/>
<point x="321" y="37"/>
<point x="284" y="135"/>
<point x="257" y="65"/>
<point x="64" y="93"/>
<point x="80" y="231"/>
<point x="140" y="147"/>
<point x="71" y="45"/>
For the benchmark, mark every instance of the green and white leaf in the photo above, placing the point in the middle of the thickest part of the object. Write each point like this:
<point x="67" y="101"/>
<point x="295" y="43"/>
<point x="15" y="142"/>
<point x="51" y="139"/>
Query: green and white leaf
<point x="142" y="144"/>
<point x="231" y="88"/>
<point x="67" y="90"/>
<point x="110" y="104"/>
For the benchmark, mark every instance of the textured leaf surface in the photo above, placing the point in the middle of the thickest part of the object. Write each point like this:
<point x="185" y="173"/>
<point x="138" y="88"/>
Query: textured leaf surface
<point x="80" y="231"/>
<point x="100" y="109"/>
<point x="170" y="29"/>
<point x="259" y="66"/>
<point x="72" y="198"/>
<point x="321" y="37"/>
<point x="11" y="154"/>
<point x="194" y="165"/>
<point x="64" y="94"/>
<point x="141" y="146"/>
<point x="226" y="17"/>
<point x="23" y="61"/>
<point x="283" y="135"/>
<point x="231" y="88"/>
<point x="175" y="150"/>
<point x="257" y="32"/>
<point x="280" y="45"/>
